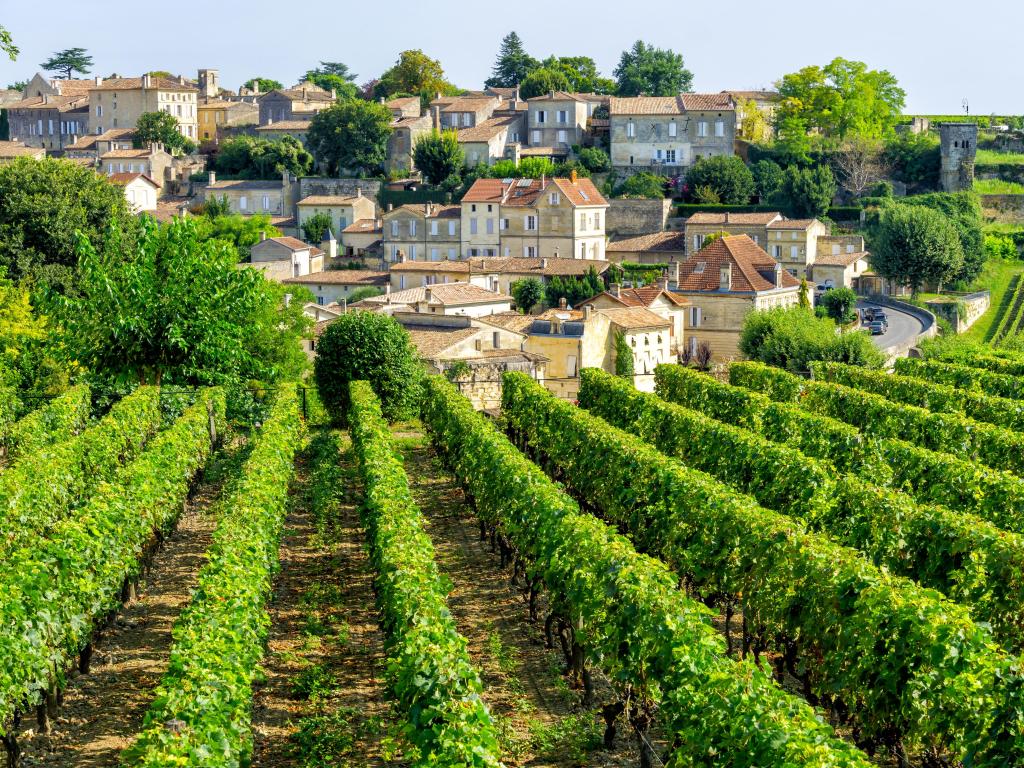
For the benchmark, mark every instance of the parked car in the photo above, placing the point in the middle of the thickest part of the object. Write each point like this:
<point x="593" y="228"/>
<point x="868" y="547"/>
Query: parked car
<point x="880" y="316"/>
<point x="877" y="327"/>
<point x="869" y="312"/>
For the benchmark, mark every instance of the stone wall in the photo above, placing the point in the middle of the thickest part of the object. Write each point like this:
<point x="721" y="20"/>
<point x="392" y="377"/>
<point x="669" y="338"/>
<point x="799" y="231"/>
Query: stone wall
<point x="318" y="185"/>
<point x="961" y="310"/>
<point x="637" y="217"/>
<point x="1008" y="204"/>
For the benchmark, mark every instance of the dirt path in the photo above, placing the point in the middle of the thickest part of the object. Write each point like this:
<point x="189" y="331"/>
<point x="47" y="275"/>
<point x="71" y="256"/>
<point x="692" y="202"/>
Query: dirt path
<point x="324" y="701"/>
<point x="103" y="710"/>
<point x="540" y="723"/>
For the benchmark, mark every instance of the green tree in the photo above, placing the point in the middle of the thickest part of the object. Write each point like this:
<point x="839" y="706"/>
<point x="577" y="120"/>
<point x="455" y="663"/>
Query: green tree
<point x="754" y="126"/>
<point x="43" y="203"/>
<point x="651" y="71"/>
<point x="594" y="159"/>
<point x="581" y="74"/>
<point x="914" y="245"/>
<point x="240" y="232"/>
<point x="623" y="357"/>
<point x="842" y="99"/>
<point x="512" y="65"/>
<point x="643" y="184"/>
<point x="248" y="157"/>
<point x="793" y="145"/>
<point x="370" y="347"/>
<point x="413" y="73"/>
<point x="963" y="211"/>
<point x="839" y="304"/>
<point x="541" y="81"/>
<point x="438" y="156"/>
<point x="791" y="338"/>
<point x="161" y="128"/>
<point x="351" y="135"/>
<point x="573" y="289"/>
<point x="806" y="192"/>
<point x="803" y="300"/>
<point x="363" y="293"/>
<point x="68" y="62"/>
<point x="527" y="292"/>
<point x="334" y="76"/>
<point x="174" y="309"/>
<point x="265" y="84"/>
<point x="768" y="177"/>
<point x="315" y="227"/>
<point x="914" y="158"/>
<point x="7" y="45"/>
<point x="727" y="175"/>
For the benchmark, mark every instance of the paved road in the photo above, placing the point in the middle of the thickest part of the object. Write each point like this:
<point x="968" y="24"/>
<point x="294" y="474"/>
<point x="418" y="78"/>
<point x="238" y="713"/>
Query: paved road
<point x="902" y="327"/>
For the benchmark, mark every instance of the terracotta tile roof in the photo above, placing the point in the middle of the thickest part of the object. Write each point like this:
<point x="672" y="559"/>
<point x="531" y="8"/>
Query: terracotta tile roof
<point x="289" y="242"/>
<point x="363" y="226"/>
<point x="115" y="154"/>
<point x="600" y="122"/>
<point x="431" y="341"/>
<point x="640" y="297"/>
<point x="633" y="318"/>
<point x="670" y="105"/>
<point x="506" y="93"/>
<point x="115" y="134"/>
<point x="709" y="217"/>
<point x="124" y="179"/>
<point x="521" y="265"/>
<point x="487" y="130"/>
<point x="341" y="277"/>
<point x="84" y="142"/>
<point x="524" y="192"/>
<point x="510" y="321"/>
<point x="458" y="267"/>
<point x="246" y="184"/>
<point x="752" y="268"/>
<point x="466" y="103"/>
<point x="329" y="199"/>
<point x="841" y="259"/>
<point x="755" y="95"/>
<point x="559" y="96"/>
<point x="443" y="294"/>
<point x="133" y="83"/>
<point x="404" y="103"/>
<point x="506" y="106"/>
<point x="17" y="149"/>
<point x="286" y="125"/>
<point x="307" y="93"/>
<point x="74" y="87"/>
<point x="60" y="103"/>
<point x="411" y="122"/>
<point x="653" y="241"/>
<point x="799" y="224"/>
<point x="436" y="211"/>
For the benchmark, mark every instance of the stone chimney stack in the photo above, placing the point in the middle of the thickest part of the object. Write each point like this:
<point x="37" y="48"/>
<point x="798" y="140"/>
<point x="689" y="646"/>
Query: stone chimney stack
<point x="359" y="192"/>
<point x="587" y="312"/>
<point x="616" y="290"/>
<point x="263" y="235"/>
<point x="725" y="277"/>
<point x="544" y="263"/>
<point x="563" y="303"/>
<point x="778" y="275"/>
<point x="572" y="176"/>
<point x="99" y="80"/>
<point x="329" y="244"/>
<point x="435" y="117"/>
<point x="147" y="81"/>
<point x="675" y="273"/>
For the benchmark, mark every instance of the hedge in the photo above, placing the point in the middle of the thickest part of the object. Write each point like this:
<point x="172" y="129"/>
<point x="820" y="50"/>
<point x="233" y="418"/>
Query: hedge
<point x="911" y="668"/>
<point x="998" y="384"/>
<point x="923" y="543"/>
<point x="934" y="397"/>
<point x="73" y="469"/>
<point x="437" y="687"/>
<point x="656" y="645"/>
<point x="59" y="420"/>
<point x="56" y="590"/>
<point x="220" y="637"/>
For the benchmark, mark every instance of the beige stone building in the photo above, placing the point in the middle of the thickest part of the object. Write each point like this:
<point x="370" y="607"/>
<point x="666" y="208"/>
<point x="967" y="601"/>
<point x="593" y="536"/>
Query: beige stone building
<point x="51" y="122"/>
<point x="281" y="258"/>
<point x="457" y="112"/>
<point x="12" y="150"/>
<point x="794" y="243"/>
<point x="297" y="129"/>
<point x="119" y="102"/>
<point x="557" y="120"/>
<point x="151" y="162"/>
<point x="251" y="197"/>
<point x="408" y="124"/>
<point x="656" y="298"/>
<point x="342" y="209"/>
<point x="493" y="273"/>
<point x="140" y="191"/>
<point x="336" y="285"/>
<point x="666" y="134"/>
<point x="724" y="282"/>
<point x="534" y="218"/>
<point x="421" y="232"/>
<point x="362" y="239"/>
<point x="298" y="103"/>
<point x="215" y="114"/>
<point x="652" y="248"/>
<point x="753" y="225"/>
<point x="492" y="140"/>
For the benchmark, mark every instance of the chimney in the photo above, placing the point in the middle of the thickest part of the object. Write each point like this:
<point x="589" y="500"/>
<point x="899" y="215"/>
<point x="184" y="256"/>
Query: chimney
<point x="213" y="178"/>
<point x="383" y="100"/>
<point x="329" y="244"/>
<point x="359" y="192"/>
<point x="725" y="277"/>
<point x="556" y="326"/>
<point x="572" y="176"/>
<point x="181" y="80"/>
<point x="616" y="290"/>
<point x="674" y="267"/>
<point x="99" y="80"/>
<point x="563" y="303"/>
<point x="427" y="294"/>
<point x="515" y="94"/>
<point x="285" y="179"/>
<point x="544" y="263"/>
<point x="551" y="94"/>
<point x="778" y="275"/>
<point x="344" y="306"/>
<point x="435" y="114"/>
<point x="587" y="312"/>
<point x="663" y="281"/>
<point x="429" y="208"/>
<point x="263" y="235"/>
<point x="391" y="207"/>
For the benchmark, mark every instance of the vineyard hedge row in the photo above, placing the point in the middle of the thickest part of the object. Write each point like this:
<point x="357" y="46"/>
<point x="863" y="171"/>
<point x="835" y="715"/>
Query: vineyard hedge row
<point x="912" y="669"/>
<point x="56" y="421"/>
<point x="965" y="376"/>
<point x="434" y="681"/>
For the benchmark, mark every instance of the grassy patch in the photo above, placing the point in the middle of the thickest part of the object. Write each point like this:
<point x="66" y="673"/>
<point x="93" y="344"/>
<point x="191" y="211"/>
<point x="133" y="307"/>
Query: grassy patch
<point x="569" y="738"/>
<point x="992" y="157"/>
<point x="996" y="277"/>
<point x="997" y="187"/>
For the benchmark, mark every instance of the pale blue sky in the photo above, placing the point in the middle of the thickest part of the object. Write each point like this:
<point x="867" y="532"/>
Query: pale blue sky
<point x="738" y="45"/>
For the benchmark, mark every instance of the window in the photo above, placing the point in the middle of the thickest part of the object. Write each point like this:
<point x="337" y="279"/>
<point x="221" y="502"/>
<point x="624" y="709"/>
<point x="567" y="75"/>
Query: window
<point x="39" y="127"/>
<point x="530" y="223"/>
<point x="467" y="119"/>
<point x="570" y="366"/>
<point x="630" y="129"/>
<point x="672" y="128"/>
<point x="835" y="249"/>
<point x="693" y="345"/>
<point x="266" y="202"/>
<point x="435" y="255"/>
<point x="496" y="339"/>
<point x="794" y="252"/>
<point x="670" y="156"/>
<point x="535" y="137"/>
<point x="99" y="110"/>
<point x="757" y="241"/>
<point x="583" y="221"/>
<point x="49" y="124"/>
<point x="719" y="128"/>
<point x="433" y="227"/>
<point x="542" y="116"/>
<point x="394" y="229"/>
<point x="472" y="226"/>
<point x="412" y="228"/>
<point x="554" y="198"/>
<point x="563" y="116"/>
<point x="473" y="207"/>
<point x="530" y="251"/>
<point x="563" y="137"/>
<point x="597" y="220"/>
<point x="777" y="251"/>
<point x="698" y="240"/>
<point x="412" y="252"/>
<point x="695" y="317"/>
<point x="490" y="208"/>
<point x="792" y="236"/>
<point x="451" y="254"/>
<point x="702" y="128"/>
<point x="243" y="203"/>
<point x="583" y="250"/>
<point x="490" y="226"/>
<point x="451" y="228"/>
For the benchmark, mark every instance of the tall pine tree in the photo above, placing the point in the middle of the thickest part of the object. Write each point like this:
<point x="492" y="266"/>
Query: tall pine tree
<point x="512" y="65"/>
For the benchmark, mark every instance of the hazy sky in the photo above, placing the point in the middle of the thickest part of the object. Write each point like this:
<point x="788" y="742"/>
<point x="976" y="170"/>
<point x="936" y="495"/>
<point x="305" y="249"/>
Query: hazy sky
<point x="736" y="45"/>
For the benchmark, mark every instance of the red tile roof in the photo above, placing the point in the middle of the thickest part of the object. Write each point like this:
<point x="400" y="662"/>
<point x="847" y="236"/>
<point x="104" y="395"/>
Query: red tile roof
<point x="799" y="224"/>
<point x="124" y="179"/>
<point x="342" y="277"/>
<point x="752" y="268"/>
<point x="653" y="241"/>
<point x="709" y="217"/>
<point x="840" y="259"/>
<point x="132" y="83"/>
<point x="640" y="297"/>
<point x="671" y="105"/>
<point x="524" y="192"/>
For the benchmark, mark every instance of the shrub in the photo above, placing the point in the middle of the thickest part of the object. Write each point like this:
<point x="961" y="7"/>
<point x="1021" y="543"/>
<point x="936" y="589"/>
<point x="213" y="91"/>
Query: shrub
<point x="726" y="175"/>
<point x="839" y="303"/>
<point x="315" y="227"/>
<point x="643" y="184"/>
<point x="595" y="159"/>
<point x="791" y="338"/>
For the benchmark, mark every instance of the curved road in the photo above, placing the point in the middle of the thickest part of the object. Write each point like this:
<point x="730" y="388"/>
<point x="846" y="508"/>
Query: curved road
<point x="902" y="327"/>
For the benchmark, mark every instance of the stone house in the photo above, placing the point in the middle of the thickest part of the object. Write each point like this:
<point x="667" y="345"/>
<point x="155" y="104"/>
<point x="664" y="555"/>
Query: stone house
<point x="440" y="299"/>
<point x="491" y="140"/>
<point x="666" y="134"/>
<point x="840" y="270"/>
<point x="456" y="112"/>
<point x="724" y="282"/>
<point x="336" y="285"/>
<point x="753" y="225"/>
<point x="557" y="120"/>
<point x="362" y="238"/>
<point x="298" y="103"/>
<point x="152" y="162"/>
<point x="51" y="122"/>
<point x="286" y="257"/>
<point x="140" y="191"/>
<point x="794" y="243"/>
<point x="653" y="248"/>
<point x="12" y="150"/>
<point x="40" y="85"/>
<point x="493" y="273"/>
<point x="297" y="129"/>
<point x="649" y="337"/>
<point x="534" y="218"/>
<point x="119" y="102"/>
<point x="255" y="196"/>
<point x="342" y="209"/>
<point x="655" y="298"/>
<point x="214" y="114"/>
<point x="421" y="232"/>
<point x="408" y="124"/>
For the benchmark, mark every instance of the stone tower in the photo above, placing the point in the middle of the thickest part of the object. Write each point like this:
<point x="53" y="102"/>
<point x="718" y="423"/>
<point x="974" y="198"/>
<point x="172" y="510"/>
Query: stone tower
<point x="958" y="143"/>
<point x="209" y="83"/>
